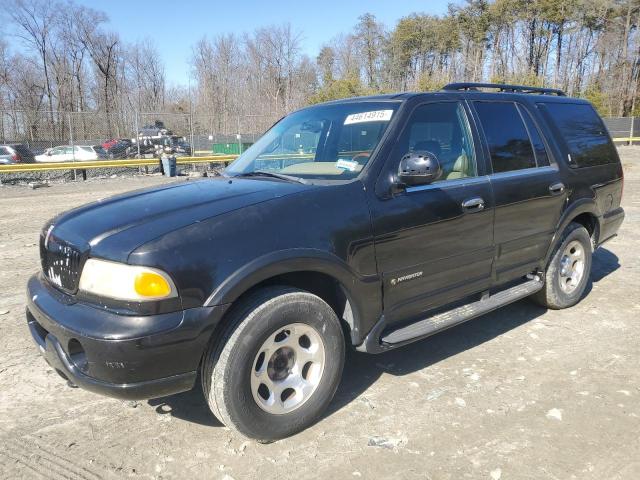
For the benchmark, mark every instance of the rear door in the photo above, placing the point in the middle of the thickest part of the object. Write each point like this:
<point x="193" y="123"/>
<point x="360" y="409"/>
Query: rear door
<point x="528" y="191"/>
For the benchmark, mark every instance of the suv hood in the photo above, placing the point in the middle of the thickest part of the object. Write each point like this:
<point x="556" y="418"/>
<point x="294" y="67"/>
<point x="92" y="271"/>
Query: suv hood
<point x="113" y="227"/>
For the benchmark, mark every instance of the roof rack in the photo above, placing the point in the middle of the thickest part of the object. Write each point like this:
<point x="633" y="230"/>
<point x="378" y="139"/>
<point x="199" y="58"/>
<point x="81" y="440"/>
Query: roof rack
<point x="503" y="87"/>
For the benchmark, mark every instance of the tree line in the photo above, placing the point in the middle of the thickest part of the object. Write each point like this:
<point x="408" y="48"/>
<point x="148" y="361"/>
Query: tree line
<point x="588" y="48"/>
<point x="56" y="55"/>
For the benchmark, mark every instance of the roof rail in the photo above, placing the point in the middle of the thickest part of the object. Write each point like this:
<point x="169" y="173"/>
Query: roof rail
<point x="503" y="87"/>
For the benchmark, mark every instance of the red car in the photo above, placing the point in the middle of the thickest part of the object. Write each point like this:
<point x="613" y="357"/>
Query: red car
<point x="110" y="143"/>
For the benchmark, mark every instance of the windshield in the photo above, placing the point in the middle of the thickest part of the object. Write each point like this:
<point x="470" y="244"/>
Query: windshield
<point x="329" y="142"/>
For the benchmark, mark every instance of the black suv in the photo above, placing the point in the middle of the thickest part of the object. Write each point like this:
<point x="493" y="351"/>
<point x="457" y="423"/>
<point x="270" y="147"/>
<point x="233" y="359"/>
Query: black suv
<point x="411" y="214"/>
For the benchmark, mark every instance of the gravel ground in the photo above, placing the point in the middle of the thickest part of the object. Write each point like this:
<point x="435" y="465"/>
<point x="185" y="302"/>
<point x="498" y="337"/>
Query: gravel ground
<point x="519" y="393"/>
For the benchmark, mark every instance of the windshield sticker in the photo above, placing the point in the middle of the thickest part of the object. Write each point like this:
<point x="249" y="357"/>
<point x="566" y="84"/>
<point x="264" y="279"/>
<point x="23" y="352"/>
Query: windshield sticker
<point x="374" y="116"/>
<point x="347" y="165"/>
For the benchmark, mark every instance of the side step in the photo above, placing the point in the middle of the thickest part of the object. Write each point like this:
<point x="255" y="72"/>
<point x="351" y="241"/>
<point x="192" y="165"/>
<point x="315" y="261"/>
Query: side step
<point x="428" y="326"/>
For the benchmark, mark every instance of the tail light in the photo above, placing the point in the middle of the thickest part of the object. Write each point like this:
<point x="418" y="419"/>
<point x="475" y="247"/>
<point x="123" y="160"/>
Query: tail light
<point x="16" y="158"/>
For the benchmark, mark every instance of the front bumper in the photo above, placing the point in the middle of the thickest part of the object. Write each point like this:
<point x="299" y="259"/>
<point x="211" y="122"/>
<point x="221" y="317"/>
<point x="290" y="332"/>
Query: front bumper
<point x="129" y="357"/>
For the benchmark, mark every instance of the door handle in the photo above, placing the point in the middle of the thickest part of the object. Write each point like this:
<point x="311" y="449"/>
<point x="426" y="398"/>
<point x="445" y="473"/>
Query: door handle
<point x="472" y="205"/>
<point x="556" y="188"/>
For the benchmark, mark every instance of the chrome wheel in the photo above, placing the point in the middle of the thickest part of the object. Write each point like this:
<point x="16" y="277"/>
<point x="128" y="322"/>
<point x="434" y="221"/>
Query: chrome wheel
<point x="287" y="368"/>
<point x="572" y="265"/>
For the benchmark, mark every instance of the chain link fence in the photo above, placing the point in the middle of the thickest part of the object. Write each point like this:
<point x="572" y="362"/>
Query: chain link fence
<point x="128" y="134"/>
<point x="96" y="135"/>
<point x="623" y="130"/>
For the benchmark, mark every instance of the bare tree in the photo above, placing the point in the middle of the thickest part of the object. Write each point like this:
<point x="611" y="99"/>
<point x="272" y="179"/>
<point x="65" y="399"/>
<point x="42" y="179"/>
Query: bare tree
<point x="146" y="73"/>
<point x="34" y="19"/>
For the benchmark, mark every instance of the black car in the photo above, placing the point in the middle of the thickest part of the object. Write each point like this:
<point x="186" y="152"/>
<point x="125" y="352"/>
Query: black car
<point x="155" y="131"/>
<point x="180" y="146"/>
<point x="411" y="214"/>
<point x="120" y="149"/>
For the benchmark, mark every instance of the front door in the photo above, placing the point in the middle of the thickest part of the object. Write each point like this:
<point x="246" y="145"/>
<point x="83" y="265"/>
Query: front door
<point x="434" y="243"/>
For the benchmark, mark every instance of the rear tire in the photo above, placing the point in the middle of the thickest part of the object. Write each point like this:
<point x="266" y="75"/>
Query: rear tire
<point x="568" y="271"/>
<point x="276" y="366"/>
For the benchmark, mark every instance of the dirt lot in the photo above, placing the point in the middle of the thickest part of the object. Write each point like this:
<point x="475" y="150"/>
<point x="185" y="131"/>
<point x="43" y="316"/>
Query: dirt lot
<point x="519" y="393"/>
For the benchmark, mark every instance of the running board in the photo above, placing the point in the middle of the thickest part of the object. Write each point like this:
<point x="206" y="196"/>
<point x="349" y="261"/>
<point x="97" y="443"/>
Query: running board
<point x="428" y="326"/>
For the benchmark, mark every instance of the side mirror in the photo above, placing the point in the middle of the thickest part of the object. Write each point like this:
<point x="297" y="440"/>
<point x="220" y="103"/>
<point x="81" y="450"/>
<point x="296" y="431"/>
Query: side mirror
<point x="419" y="168"/>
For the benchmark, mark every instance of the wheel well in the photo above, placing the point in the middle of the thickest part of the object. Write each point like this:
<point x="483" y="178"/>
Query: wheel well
<point x="324" y="286"/>
<point x="590" y="222"/>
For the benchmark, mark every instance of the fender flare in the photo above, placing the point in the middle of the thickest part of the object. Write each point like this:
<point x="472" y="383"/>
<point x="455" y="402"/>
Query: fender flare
<point x="584" y="205"/>
<point x="301" y="260"/>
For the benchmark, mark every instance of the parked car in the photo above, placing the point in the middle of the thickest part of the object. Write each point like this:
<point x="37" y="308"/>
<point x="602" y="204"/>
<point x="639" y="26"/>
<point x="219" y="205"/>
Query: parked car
<point x="416" y="212"/>
<point x="107" y="144"/>
<point x="100" y="152"/>
<point x="120" y="148"/>
<point x="155" y="131"/>
<point x="69" y="153"/>
<point x="15" y="153"/>
<point x="180" y="146"/>
<point x="144" y="147"/>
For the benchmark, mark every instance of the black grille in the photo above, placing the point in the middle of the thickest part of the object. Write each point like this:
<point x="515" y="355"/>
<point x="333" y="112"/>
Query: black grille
<point x="61" y="263"/>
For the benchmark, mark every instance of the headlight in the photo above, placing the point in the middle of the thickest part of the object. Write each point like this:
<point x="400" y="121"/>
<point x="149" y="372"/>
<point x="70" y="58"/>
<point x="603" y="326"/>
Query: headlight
<point x="125" y="282"/>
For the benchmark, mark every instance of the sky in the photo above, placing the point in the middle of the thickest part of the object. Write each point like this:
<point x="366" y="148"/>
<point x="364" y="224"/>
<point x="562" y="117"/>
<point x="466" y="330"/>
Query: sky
<point x="174" y="26"/>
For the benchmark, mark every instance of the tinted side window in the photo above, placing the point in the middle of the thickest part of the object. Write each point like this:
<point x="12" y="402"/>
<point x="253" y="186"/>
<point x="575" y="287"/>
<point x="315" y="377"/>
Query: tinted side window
<point x="506" y="135"/>
<point x="542" y="158"/>
<point x="442" y="129"/>
<point x="584" y="133"/>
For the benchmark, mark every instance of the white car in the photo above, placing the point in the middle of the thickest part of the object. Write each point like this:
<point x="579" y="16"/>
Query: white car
<point x="68" y="153"/>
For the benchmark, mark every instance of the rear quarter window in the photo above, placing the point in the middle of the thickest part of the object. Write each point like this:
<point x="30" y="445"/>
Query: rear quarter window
<point x="584" y="133"/>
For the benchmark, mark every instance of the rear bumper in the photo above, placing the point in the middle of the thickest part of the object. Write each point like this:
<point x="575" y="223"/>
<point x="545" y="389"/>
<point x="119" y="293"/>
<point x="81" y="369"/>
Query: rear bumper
<point x="121" y="356"/>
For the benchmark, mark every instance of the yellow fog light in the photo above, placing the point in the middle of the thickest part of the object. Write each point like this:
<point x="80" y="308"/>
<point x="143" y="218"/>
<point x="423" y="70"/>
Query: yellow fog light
<point x="150" y="284"/>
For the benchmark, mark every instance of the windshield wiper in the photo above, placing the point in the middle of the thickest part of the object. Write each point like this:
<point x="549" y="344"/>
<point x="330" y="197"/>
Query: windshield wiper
<point x="281" y="176"/>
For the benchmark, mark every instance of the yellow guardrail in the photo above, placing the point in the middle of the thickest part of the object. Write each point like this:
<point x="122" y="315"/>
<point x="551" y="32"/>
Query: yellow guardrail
<point x="626" y="139"/>
<point x="134" y="162"/>
<point x="141" y="162"/>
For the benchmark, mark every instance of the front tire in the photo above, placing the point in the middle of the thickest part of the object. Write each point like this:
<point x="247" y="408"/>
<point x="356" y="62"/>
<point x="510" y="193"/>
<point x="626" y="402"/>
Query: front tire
<point x="276" y="366"/>
<point x="567" y="274"/>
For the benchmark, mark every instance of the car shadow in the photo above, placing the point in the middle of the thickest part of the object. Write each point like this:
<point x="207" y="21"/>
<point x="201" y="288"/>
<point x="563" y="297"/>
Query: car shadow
<point x="190" y="406"/>
<point x="605" y="262"/>
<point x="363" y="370"/>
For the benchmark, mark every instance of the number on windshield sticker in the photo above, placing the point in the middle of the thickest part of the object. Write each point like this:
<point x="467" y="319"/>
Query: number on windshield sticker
<point x="374" y="116"/>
